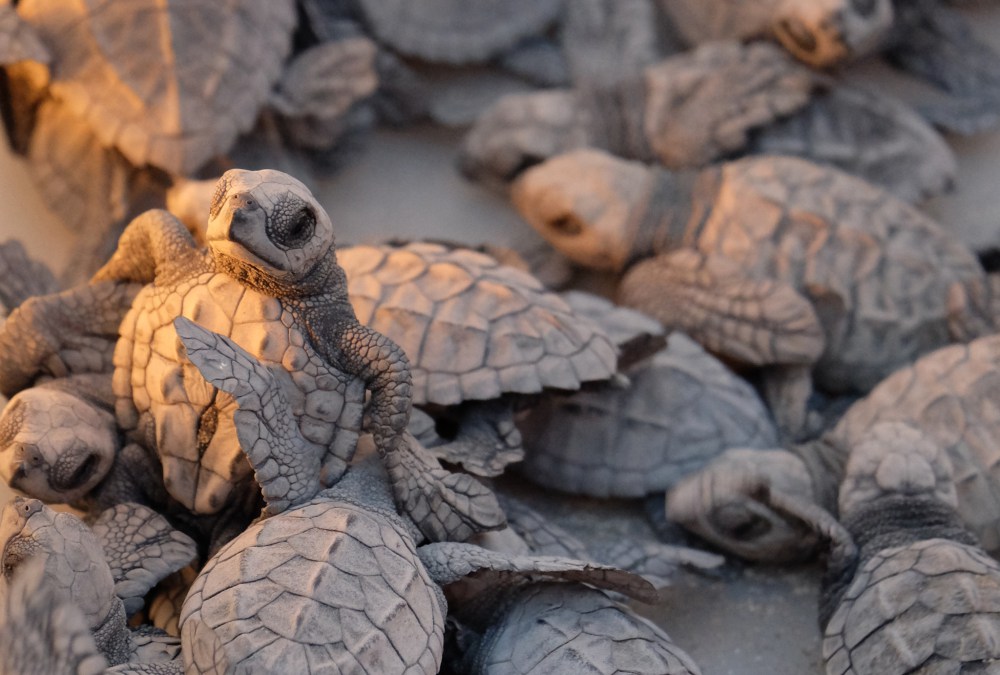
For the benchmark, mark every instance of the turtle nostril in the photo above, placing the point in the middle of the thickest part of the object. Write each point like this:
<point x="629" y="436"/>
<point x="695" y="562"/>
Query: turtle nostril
<point x="799" y="34"/>
<point x="243" y="202"/>
<point x="864" y="7"/>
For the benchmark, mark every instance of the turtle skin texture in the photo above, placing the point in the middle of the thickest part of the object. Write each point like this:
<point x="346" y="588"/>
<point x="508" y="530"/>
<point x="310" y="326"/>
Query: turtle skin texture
<point x="927" y="607"/>
<point x="327" y="587"/>
<point x="554" y="628"/>
<point x="473" y="329"/>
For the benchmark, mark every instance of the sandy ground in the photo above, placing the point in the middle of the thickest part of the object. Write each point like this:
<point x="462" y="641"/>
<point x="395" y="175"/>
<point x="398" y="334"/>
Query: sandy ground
<point x="748" y="620"/>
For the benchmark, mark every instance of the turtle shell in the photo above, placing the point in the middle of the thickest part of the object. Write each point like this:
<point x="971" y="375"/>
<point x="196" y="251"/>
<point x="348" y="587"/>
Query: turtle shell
<point x="951" y="395"/>
<point x="571" y="628"/>
<point x="929" y="607"/>
<point x="682" y="408"/>
<point x="471" y="31"/>
<point x="162" y="395"/>
<point x="326" y="587"/>
<point x="472" y="328"/>
<point x="167" y="83"/>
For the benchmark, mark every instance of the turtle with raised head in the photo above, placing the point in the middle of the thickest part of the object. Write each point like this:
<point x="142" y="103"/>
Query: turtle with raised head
<point x="948" y="395"/>
<point x="908" y="588"/>
<point x="820" y="33"/>
<point x="269" y="279"/>
<point x="717" y="101"/>
<point x="103" y="571"/>
<point x="770" y="261"/>
<point x="343" y="556"/>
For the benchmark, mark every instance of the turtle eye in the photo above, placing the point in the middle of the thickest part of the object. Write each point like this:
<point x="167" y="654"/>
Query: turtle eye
<point x="295" y="229"/>
<point x="567" y="225"/>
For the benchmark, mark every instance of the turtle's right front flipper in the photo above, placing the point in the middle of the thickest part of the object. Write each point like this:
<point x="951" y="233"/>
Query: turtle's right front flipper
<point x="152" y="241"/>
<point x="67" y="333"/>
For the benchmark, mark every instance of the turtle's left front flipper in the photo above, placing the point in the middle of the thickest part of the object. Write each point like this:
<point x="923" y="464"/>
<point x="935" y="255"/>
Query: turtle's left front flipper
<point x="444" y="505"/>
<point x="936" y="43"/>
<point x="62" y="334"/>
<point x="142" y="549"/>
<point x="21" y="277"/>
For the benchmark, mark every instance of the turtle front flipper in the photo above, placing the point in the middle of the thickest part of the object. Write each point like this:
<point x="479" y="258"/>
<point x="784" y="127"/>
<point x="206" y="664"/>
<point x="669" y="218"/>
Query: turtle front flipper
<point x="265" y="426"/>
<point x="486" y="440"/>
<point x="63" y="334"/>
<point x="444" y="505"/>
<point x="152" y="243"/>
<point x="142" y="549"/>
<point x="41" y="631"/>
<point x="760" y="322"/>
<point x="21" y="277"/>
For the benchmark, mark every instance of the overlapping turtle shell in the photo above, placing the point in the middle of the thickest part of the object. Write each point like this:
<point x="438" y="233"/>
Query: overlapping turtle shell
<point x="681" y="409"/>
<point x="167" y="83"/>
<point x="929" y="607"/>
<point x="326" y="587"/>
<point x="473" y="329"/>
<point x="953" y="396"/>
<point x="457" y="32"/>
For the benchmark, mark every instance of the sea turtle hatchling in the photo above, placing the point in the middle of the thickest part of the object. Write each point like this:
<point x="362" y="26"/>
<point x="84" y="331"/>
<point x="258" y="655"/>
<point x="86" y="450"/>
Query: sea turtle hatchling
<point x="908" y="589"/>
<point x="680" y="409"/>
<point x="710" y="104"/>
<point x="818" y="32"/>
<point x="103" y="571"/>
<point x="948" y="395"/>
<point x="270" y="280"/>
<point x="328" y="578"/>
<point x="769" y="261"/>
<point x="478" y="334"/>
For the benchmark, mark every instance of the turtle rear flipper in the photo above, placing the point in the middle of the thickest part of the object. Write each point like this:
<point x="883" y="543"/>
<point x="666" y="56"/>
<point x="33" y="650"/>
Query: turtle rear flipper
<point x="42" y="632"/>
<point x="142" y="549"/>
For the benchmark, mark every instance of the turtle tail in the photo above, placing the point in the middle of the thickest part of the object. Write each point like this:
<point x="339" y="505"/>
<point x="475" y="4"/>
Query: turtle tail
<point x="445" y="506"/>
<point x="267" y="431"/>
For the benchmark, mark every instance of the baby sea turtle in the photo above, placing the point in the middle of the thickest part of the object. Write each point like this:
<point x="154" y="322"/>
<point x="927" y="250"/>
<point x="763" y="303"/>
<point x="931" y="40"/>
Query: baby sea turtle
<point x="104" y="571"/>
<point x="908" y="588"/>
<point x="102" y="113"/>
<point x="681" y="408"/>
<point x="270" y="280"/>
<point x="769" y="261"/>
<point x="948" y="395"/>
<point x="720" y="99"/>
<point x="477" y="334"/>
<point x="818" y="32"/>
<point x="341" y="560"/>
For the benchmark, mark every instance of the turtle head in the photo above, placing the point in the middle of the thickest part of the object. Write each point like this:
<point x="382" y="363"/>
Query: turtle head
<point x="268" y="225"/>
<point x="583" y="203"/>
<point x="723" y="504"/>
<point x="69" y="552"/>
<point x="519" y="131"/>
<point x="54" y="445"/>
<point x="822" y="33"/>
<point x="895" y="459"/>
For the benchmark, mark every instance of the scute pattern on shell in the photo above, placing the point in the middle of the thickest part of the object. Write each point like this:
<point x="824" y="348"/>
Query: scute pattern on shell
<point x="326" y="585"/>
<point x="186" y="94"/>
<point x="682" y="408"/>
<point x="927" y="607"/>
<point x="951" y="395"/>
<point x="552" y="630"/>
<point x="472" y="328"/>
<point x="457" y="32"/>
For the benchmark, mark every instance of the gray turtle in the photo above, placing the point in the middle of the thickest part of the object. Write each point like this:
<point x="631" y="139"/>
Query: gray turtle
<point x="478" y="335"/>
<point x="103" y="572"/>
<point x="271" y="281"/>
<point x="948" y="395"/>
<point x="818" y="32"/>
<point x="342" y="556"/>
<point x="908" y="589"/>
<point x="681" y="408"/>
<point x="716" y="101"/>
<point x="769" y="261"/>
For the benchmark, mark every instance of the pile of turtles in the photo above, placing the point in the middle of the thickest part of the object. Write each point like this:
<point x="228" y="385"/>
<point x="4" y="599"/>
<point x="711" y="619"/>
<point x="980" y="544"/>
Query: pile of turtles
<point x="290" y="455"/>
